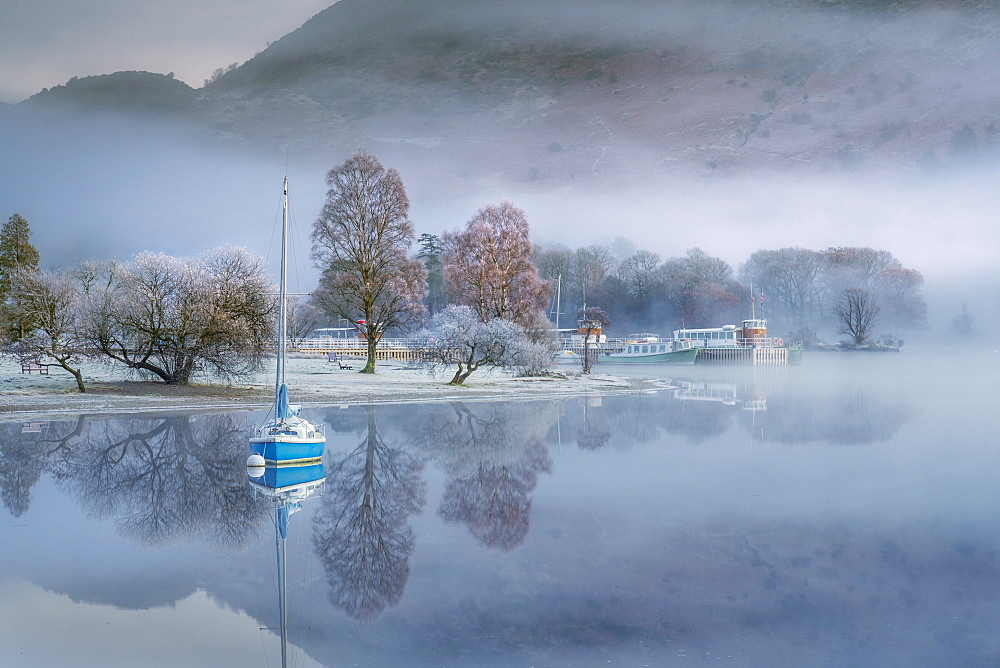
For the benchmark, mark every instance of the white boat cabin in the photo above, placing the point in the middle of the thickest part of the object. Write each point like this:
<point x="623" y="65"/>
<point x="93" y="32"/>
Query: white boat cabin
<point x="753" y="332"/>
<point x="654" y="346"/>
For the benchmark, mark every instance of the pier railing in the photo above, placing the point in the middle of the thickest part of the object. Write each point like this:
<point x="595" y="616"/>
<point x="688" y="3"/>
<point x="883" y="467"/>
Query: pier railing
<point x="385" y="348"/>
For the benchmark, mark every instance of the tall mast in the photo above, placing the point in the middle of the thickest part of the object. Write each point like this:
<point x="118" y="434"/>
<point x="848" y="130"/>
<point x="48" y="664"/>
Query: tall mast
<point x="558" y="302"/>
<point x="282" y="315"/>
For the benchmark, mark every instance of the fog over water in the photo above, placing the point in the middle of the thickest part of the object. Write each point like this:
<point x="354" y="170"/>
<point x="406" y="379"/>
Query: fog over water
<point x="839" y="512"/>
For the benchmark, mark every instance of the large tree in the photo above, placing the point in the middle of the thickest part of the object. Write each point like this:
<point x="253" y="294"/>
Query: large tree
<point x="16" y="254"/>
<point x="168" y="316"/>
<point x="360" y="243"/>
<point x="488" y="266"/>
<point x="50" y="301"/>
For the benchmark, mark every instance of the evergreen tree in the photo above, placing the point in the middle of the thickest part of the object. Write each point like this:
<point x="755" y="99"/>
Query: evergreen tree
<point x="16" y="254"/>
<point x="430" y="255"/>
<point x="961" y="324"/>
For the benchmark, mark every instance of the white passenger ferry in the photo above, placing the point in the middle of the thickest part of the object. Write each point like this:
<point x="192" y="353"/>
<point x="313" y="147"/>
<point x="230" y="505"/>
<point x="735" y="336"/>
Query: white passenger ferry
<point x="748" y="344"/>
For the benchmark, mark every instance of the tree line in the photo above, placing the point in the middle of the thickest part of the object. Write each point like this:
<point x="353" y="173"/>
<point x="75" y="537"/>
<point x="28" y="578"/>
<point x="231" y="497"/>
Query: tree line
<point x="482" y="294"/>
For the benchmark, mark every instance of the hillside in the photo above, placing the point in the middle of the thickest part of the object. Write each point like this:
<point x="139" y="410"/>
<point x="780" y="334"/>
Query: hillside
<point x="553" y="92"/>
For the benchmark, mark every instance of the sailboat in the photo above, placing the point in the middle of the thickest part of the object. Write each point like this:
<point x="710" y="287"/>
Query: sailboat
<point x="287" y="487"/>
<point x="285" y="438"/>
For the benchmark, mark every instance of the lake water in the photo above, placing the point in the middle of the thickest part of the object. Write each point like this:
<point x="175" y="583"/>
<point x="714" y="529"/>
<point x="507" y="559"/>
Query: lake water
<point x="839" y="513"/>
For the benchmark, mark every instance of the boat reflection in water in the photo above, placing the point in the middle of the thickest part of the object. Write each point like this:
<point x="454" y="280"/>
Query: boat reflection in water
<point x="286" y="486"/>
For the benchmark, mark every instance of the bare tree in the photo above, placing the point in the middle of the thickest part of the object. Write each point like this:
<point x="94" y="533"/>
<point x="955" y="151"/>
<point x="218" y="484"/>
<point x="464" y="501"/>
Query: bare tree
<point x="51" y="302"/>
<point x="360" y="242"/>
<point x="857" y="312"/>
<point x="699" y="289"/>
<point x="591" y="319"/>
<point x="457" y="337"/>
<point x="488" y="266"/>
<point x="303" y="317"/>
<point x="640" y="279"/>
<point x="166" y="315"/>
<point x="846" y="267"/>
<point x="790" y="277"/>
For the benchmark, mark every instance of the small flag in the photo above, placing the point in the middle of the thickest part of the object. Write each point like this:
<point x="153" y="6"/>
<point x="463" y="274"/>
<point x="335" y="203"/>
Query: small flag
<point x="761" y="296"/>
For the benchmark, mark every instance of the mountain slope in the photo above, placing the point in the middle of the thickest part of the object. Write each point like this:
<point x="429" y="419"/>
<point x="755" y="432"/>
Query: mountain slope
<point x="551" y="92"/>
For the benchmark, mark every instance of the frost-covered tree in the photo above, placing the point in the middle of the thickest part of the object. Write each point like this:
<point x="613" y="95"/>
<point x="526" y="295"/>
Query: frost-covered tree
<point x="303" y="317"/>
<point x="458" y="337"/>
<point x="167" y="316"/>
<point x="360" y="243"/>
<point x="488" y="266"/>
<point x="50" y="301"/>
<point x="580" y="272"/>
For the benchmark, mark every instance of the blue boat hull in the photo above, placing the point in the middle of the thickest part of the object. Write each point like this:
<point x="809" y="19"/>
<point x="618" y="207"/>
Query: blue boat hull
<point x="276" y="451"/>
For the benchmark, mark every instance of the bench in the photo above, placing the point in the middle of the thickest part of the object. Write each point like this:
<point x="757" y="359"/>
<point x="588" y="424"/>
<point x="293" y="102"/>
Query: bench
<point x="334" y="357"/>
<point x="30" y="367"/>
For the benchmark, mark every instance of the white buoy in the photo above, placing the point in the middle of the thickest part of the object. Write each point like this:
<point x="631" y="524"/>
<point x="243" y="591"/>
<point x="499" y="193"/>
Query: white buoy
<point x="255" y="462"/>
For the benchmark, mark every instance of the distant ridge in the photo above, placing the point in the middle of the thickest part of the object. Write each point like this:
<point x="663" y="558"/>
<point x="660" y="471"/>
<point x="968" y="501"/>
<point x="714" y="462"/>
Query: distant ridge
<point x="552" y="92"/>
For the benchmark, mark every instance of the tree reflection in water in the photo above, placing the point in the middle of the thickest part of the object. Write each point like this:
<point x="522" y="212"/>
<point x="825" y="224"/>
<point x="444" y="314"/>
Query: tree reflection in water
<point x="360" y="530"/>
<point x="492" y="453"/>
<point x="161" y="480"/>
<point x="22" y="462"/>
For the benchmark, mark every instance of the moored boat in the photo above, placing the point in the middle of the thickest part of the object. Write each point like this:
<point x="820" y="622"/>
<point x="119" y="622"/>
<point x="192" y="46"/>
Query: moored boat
<point x="649" y="349"/>
<point x="748" y="344"/>
<point x="285" y="437"/>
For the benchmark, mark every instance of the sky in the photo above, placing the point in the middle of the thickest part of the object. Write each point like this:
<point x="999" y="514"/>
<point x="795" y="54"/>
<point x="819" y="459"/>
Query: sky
<point x="43" y="43"/>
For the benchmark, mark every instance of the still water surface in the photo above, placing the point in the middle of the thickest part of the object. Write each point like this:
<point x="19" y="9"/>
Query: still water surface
<point x="841" y="513"/>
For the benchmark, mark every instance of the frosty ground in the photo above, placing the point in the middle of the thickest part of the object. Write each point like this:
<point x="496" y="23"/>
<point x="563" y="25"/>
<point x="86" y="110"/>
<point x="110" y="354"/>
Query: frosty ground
<point x="311" y="380"/>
